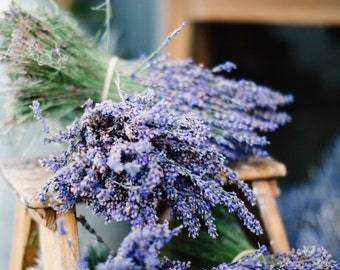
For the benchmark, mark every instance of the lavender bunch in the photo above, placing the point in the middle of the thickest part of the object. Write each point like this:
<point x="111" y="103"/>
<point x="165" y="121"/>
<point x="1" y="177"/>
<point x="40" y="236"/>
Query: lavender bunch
<point x="49" y="58"/>
<point x="237" y="112"/>
<point x="308" y="257"/>
<point x="140" y="250"/>
<point x="124" y="158"/>
<point x="44" y="65"/>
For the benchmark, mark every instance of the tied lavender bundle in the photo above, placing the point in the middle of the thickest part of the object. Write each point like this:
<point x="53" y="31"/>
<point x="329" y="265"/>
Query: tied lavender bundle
<point x="124" y="158"/>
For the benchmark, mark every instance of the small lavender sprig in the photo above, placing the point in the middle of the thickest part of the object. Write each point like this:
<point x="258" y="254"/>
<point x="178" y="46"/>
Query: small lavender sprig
<point x="140" y="250"/>
<point x="122" y="159"/>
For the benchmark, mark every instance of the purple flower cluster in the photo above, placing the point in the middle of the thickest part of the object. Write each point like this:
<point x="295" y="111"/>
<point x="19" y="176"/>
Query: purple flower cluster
<point x="307" y="258"/>
<point x="141" y="250"/>
<point x="236" y="111"/>
<point x="122" y="159"/>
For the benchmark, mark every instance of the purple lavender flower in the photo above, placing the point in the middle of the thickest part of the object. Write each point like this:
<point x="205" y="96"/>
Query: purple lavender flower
<point x="61" y="226"/>
<point x="141" y="248"/>
<point x="227" y="66"/>
<point x="237" y="112"/>
<point x="122" y="159"/>
<point x="38" y="115"/>
<point x="307" y="258"/>
<point x="318" y="203"/>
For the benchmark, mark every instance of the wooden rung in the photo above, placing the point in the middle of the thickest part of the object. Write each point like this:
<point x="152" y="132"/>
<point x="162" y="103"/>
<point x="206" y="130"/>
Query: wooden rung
<point x="259" y="168"/>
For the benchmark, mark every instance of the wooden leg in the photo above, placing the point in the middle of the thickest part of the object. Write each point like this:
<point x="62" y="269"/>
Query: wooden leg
<point x="25" y="240"/>
<point x="270" y="216"/>
<point x="60" y="251"/>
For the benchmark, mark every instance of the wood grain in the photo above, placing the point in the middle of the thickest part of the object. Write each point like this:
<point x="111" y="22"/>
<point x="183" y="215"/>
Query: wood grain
<point x="287" y="12"/>
<point x="25" y="240"/>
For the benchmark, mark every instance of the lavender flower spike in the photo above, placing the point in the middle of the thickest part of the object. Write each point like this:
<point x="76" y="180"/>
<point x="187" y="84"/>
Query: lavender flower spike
<point x="38" y="115"/>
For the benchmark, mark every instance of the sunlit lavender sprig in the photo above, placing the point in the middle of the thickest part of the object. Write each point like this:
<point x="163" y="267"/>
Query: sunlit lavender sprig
<point x="122" y="159"/>
<point x="141" y="250"/>
<point x="236" y="111"/>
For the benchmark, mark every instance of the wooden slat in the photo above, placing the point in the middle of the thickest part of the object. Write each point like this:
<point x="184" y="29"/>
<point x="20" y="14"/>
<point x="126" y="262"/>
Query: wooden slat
<point x="312" y="12"/>
<point x="293" y="12"/>
<point x="259" y="168"/>
<point x="25" y="177"/>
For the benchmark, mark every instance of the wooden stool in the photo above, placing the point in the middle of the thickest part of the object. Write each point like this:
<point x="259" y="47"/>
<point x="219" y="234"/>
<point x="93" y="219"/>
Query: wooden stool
<point x="27" y="177"/>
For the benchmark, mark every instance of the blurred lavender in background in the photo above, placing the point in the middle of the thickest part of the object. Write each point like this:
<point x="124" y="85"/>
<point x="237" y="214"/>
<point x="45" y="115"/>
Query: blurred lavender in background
<point x="311" y="211"/>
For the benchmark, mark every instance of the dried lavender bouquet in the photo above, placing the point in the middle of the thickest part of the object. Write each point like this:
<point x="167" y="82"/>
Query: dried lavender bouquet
<point x="48" y="59"/>
<point x="105" y="150"/>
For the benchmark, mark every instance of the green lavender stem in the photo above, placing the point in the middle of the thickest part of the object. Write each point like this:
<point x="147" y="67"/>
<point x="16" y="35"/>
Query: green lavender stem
<point x="49" y="59"/>
<point x="207" y="252"/>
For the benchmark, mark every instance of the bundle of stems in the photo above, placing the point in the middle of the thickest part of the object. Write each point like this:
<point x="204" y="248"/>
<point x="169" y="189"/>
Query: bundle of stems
<point x="207" y="252"/>
<point x="49" y="59"/>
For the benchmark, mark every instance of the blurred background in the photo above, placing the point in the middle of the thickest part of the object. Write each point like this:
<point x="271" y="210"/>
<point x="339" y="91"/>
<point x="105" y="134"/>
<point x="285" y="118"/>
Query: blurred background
<point x="293" y="48"/>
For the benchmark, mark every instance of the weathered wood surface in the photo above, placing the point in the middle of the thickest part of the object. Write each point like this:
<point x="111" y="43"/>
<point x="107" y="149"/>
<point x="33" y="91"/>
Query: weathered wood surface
<point x="259" y="168"/>
<point x="25" y="177"/>
<point x="60" y="251"/>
